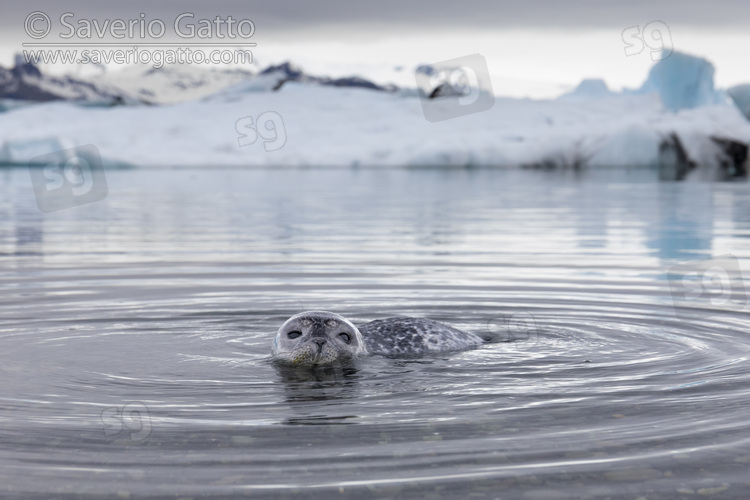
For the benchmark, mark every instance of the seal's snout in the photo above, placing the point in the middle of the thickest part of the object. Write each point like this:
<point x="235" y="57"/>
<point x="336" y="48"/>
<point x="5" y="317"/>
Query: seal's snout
<point x="318" y="330"/>
<point x="320" y="341"/>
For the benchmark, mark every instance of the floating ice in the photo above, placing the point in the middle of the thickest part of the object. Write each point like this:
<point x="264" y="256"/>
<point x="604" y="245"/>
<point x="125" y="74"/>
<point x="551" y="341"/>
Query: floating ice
<point x="589" y="88"/>
<point x="683" y="82"/>
<point x="740" y="94"/>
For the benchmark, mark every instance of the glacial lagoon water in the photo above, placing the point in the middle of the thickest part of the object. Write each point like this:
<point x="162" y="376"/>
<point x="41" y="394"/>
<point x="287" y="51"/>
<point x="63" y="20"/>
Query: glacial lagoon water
<point x="135" y="334"/>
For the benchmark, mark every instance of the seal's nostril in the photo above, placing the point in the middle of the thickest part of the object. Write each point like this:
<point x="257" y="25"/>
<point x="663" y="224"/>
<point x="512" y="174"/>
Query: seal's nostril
<point x="320" y="342"/>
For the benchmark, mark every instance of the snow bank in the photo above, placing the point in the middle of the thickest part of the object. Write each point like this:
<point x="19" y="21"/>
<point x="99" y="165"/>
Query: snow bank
<point x="314" y="125"/>
<point x="23" y="151"/>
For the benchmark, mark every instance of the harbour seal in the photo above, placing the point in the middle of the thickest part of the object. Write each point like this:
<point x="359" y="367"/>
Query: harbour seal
<point x="317" y="338"/>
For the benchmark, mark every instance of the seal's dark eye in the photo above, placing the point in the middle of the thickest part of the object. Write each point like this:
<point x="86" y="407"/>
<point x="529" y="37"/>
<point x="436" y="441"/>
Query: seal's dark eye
<point x="345" y="337"/>
<point x="294" y="334"/>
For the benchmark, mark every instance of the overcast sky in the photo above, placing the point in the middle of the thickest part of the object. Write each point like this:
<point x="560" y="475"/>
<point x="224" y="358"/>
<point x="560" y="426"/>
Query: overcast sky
<point x="530" y="45"/>
<point x="417" y="14"/>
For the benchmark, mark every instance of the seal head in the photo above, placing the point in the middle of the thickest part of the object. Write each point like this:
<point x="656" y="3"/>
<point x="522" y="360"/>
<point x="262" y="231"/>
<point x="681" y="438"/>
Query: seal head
<point x="317" y="338"/>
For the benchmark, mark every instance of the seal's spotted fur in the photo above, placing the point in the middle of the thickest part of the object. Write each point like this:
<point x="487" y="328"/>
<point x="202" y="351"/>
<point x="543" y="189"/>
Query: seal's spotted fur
<point x="320" y="338"/>
<point x="414" y="336"/>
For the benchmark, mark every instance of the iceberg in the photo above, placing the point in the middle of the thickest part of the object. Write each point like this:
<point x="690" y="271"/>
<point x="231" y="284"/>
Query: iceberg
<point x="632" y="144"/>
<point x="683" y="82"/>
<point x="589" y="88"/>
<point x="740" y="94"/>
<point x="343" y="127"/>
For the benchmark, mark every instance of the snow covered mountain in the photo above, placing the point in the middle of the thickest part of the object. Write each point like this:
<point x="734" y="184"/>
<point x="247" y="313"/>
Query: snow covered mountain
<point x="147" y="85"/>
<point x="25" y="82"/>
<point x="171" y="84"/>
<point x="273" y="78"/>
<point x="138" y="84"/>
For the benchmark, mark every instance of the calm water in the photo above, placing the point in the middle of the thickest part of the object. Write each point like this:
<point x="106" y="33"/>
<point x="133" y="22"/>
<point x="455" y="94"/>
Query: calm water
<point x="135" y="335"/>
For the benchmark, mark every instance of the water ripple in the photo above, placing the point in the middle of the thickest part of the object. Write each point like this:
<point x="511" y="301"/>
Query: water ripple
<point x="136" y="338"/>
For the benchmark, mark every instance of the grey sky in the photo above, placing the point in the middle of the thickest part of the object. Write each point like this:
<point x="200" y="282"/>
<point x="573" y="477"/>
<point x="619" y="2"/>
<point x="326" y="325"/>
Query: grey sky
<point x="384" y="17"/>
<point x="527" y="43"/>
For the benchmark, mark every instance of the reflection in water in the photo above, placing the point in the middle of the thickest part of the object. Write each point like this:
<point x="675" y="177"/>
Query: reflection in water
<point x="325" y="374"/>
<point x="29" y="232"/>
<point x="686" y="216"/>
<point x="317" y="395"/>
<point x="434" y="210"/>
<point x="20" y="219"/>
